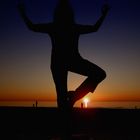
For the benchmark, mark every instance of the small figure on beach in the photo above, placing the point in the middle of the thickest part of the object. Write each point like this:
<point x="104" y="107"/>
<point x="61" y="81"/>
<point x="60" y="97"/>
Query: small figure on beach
<point x="36" y="103"/>
<point x="64" y="33"/>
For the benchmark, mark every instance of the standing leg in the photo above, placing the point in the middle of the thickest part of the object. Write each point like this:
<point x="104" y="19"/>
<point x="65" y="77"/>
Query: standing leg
<point x="60" y="80"/>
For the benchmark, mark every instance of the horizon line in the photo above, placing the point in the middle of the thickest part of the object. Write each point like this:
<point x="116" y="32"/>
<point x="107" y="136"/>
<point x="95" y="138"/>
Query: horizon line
<point x="52" y="100"/>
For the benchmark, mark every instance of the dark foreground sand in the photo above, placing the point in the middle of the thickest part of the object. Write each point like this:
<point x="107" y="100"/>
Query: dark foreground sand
<point x="25" y="123"/>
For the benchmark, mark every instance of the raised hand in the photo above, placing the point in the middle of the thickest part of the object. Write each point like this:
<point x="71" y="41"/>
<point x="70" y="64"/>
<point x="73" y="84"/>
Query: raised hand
<point x="105" y="9"/>
<point x="21" y="7"/>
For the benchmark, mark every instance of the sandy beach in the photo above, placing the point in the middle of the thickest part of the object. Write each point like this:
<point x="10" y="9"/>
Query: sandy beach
<point x="23" y="123"/>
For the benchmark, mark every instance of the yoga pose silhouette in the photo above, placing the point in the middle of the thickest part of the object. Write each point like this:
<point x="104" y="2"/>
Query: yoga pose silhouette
<point x="64" y="34"/>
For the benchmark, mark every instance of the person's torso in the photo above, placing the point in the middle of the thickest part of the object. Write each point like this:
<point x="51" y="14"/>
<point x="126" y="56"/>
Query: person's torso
<point x="64" y="41"/>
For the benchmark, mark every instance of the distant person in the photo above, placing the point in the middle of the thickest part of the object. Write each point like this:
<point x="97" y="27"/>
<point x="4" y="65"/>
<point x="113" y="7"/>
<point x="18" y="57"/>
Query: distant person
<point x="64" y="33"/>
<point x="36" y="103"/>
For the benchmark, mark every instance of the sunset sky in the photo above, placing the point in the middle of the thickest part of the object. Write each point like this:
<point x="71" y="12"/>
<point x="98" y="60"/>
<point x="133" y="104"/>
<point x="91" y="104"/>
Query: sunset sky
<point x="25" y="55"/>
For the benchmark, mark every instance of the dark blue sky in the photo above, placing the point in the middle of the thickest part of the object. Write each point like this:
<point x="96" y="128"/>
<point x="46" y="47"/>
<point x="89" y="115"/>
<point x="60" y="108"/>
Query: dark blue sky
<point x="25" y="55"/>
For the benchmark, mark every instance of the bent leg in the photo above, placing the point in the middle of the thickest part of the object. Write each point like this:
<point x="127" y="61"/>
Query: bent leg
<point x="94" y="76"/>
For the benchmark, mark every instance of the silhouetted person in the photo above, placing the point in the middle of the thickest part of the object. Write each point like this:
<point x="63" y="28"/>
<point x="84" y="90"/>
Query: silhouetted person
<point x="64" y="34"/>
<point x="36" y="103"/>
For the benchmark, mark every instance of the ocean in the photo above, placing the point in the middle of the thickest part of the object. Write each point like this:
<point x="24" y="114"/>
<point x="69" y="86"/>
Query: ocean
<point x="110" y="104"/>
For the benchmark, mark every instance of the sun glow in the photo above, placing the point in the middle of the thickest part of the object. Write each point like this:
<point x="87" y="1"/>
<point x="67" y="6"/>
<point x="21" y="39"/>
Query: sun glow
<point x="86" y="101"/>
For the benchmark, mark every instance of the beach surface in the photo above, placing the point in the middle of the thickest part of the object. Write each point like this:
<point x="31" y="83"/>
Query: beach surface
<point x="42" y="123"/>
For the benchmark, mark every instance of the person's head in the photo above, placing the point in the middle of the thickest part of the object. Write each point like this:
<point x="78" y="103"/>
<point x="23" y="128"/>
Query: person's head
<point x="63" y="13"/>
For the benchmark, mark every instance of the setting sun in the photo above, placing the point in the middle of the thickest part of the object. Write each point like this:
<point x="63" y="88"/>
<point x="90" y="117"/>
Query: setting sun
<point x="85" y="100"/>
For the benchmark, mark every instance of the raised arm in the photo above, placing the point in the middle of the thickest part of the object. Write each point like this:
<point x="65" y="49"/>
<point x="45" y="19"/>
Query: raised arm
<point x="84" y="29"/>
<point x="44" y="28"/>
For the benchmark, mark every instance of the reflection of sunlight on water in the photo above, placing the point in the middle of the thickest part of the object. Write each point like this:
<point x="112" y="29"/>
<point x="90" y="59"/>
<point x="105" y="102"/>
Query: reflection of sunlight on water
<point x="91" y="104"/>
